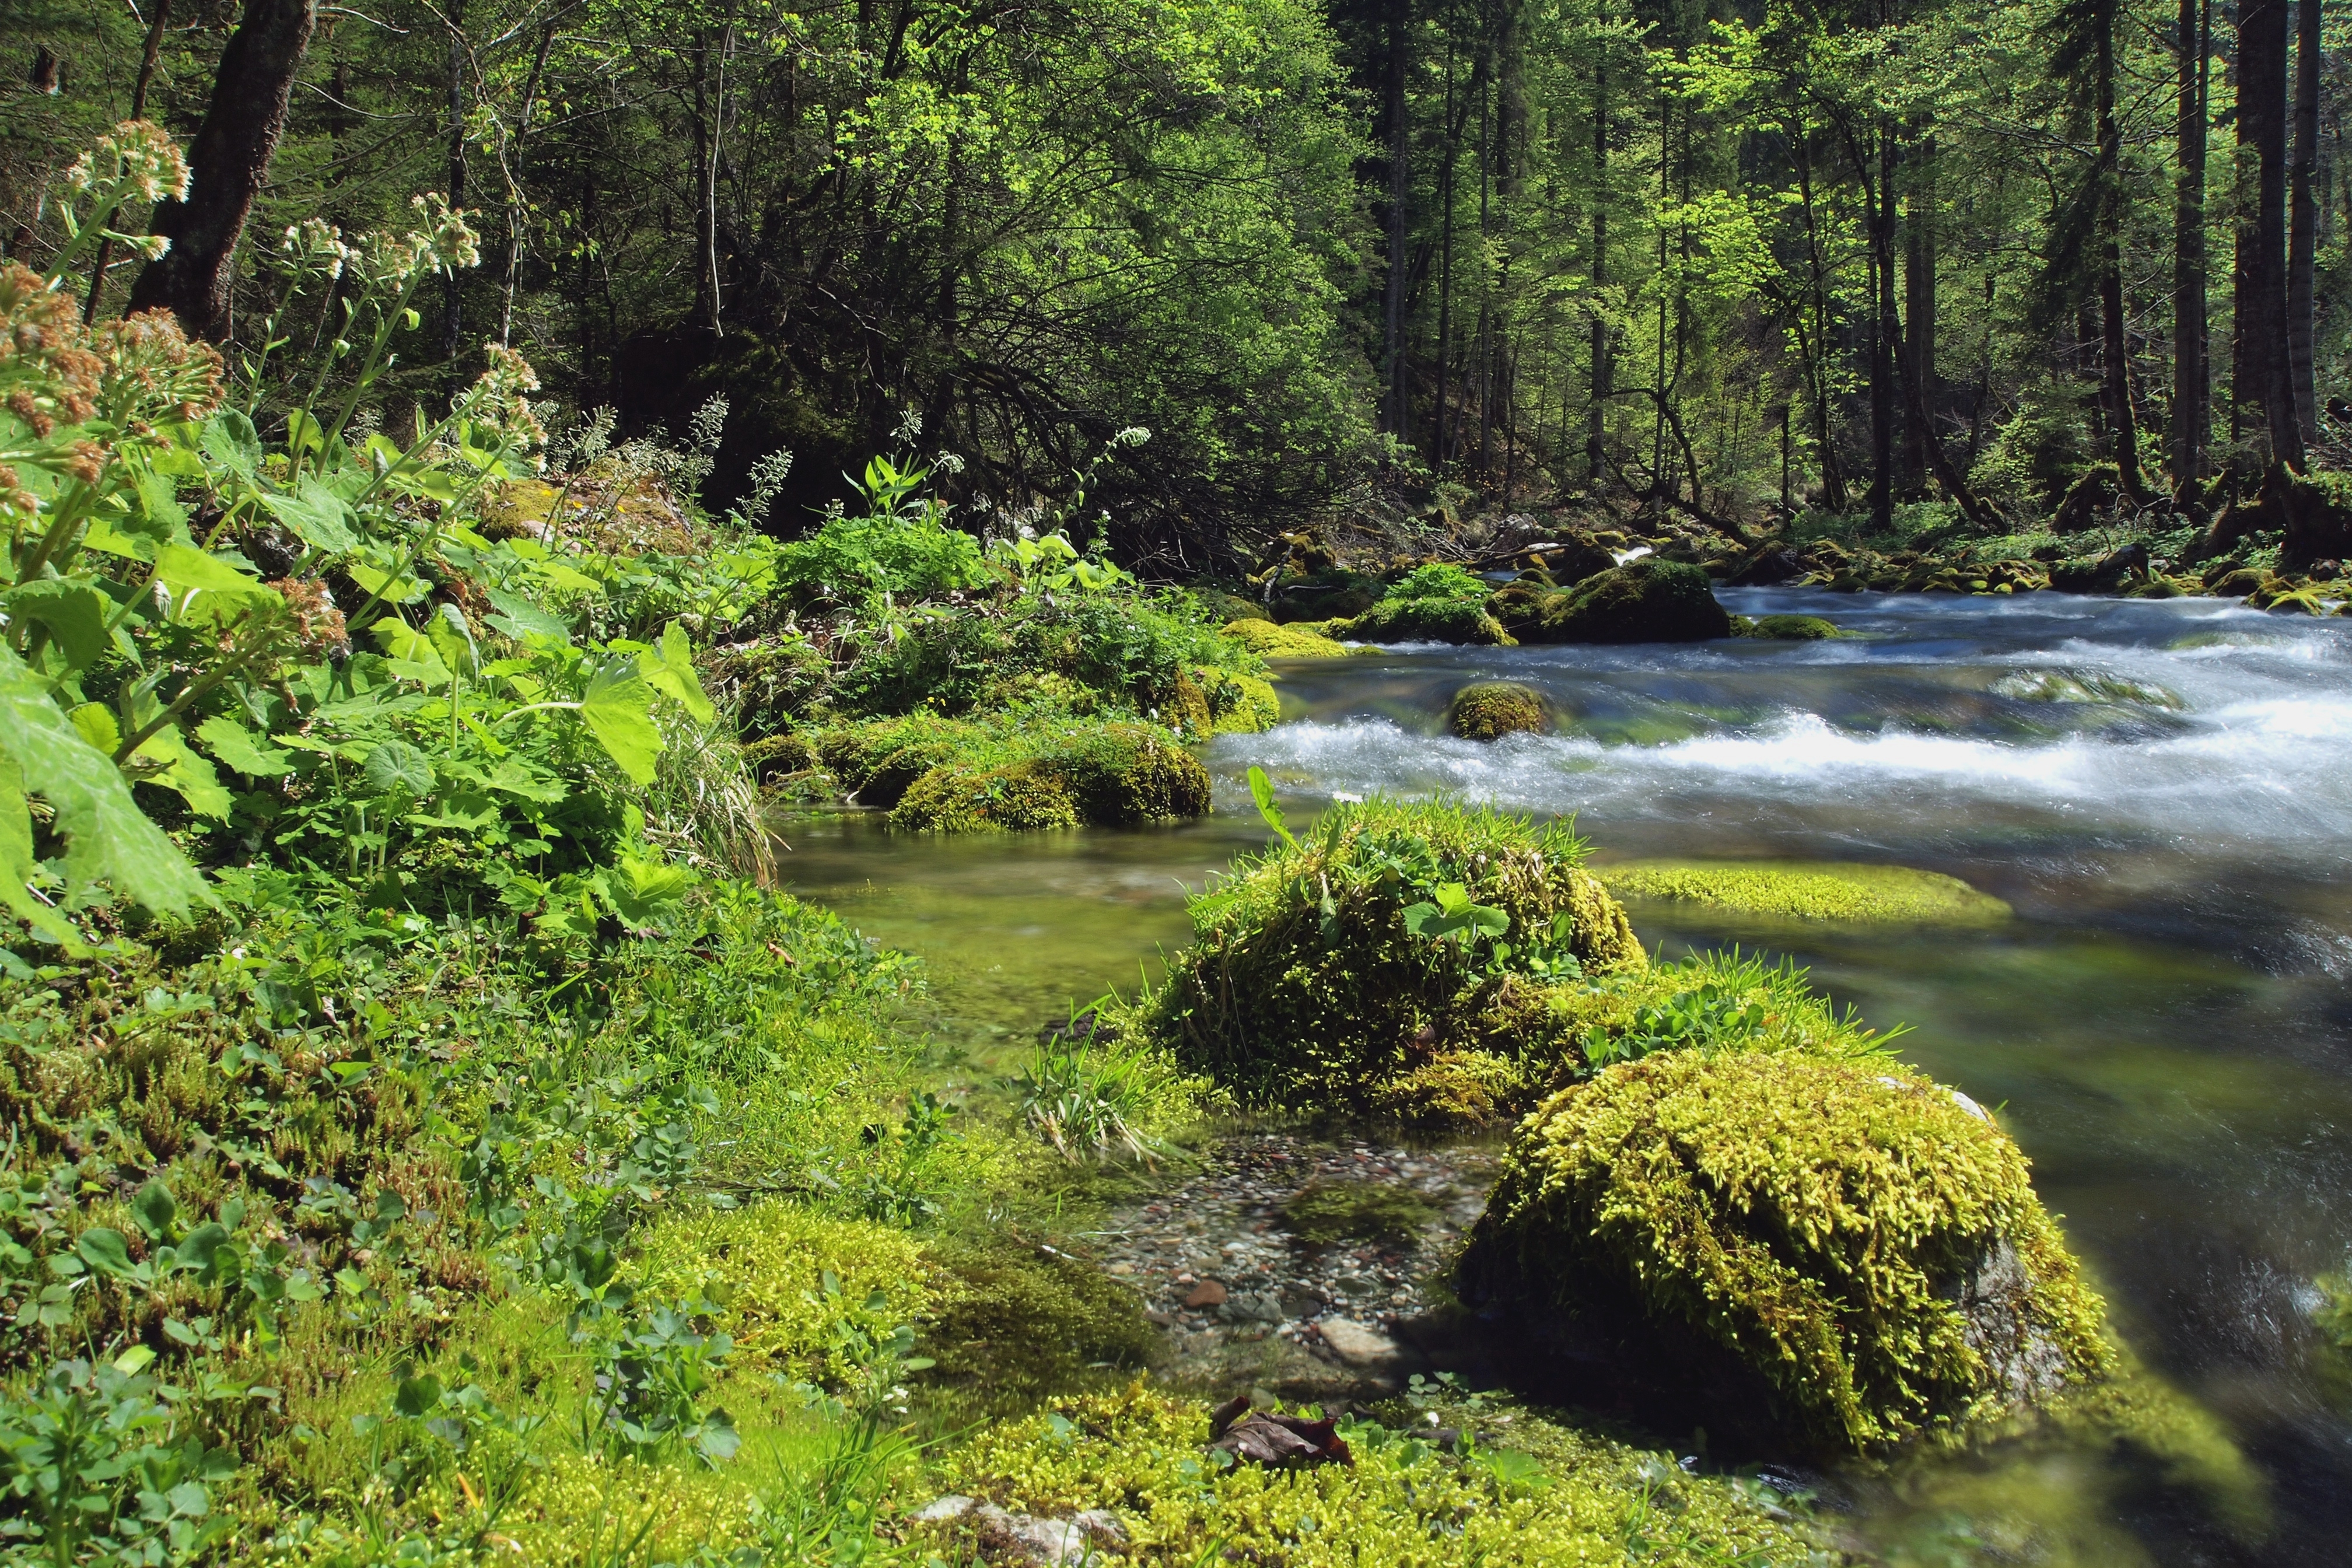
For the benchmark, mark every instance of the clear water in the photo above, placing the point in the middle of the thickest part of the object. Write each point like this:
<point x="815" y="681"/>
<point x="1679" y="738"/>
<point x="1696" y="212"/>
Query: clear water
<point x="2162" y="790"/>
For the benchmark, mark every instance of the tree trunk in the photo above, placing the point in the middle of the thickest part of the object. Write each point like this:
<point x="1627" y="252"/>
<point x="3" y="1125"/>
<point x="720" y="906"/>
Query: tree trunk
<point x="228" y="161"/>
<point x="2114" y="347"/>
<point x="1594" y="417"/>
<point x="2259" y="372"/>
<point x="2302" y="240"/>
<point x="2191" y="419"/>
<point x="1400" y="132"/>
<point x="1920" y="306"/>
<point x="1881" y="334"/>
<point x="452" y="299"/>
<point x="1446" y="281"/>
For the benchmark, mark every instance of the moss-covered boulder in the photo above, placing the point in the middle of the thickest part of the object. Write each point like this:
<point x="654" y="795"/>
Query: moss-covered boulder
<point x="1464" y="621"/>
<point x="1328" y="966"/>
<point x="1117" y="775"/>
<point x="1789" y="628"/>
<point x="1238" y="704"/>
<point x="1268" y="640"/>
<point x="1843" y="1250"/>
<point x="1494" y="708"/>
<point x="1807" y="890"/>
<point x="1649" y="600"/>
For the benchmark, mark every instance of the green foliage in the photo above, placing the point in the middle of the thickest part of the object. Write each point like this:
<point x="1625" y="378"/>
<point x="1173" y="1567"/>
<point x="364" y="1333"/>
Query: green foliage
<point x="1437" y="580"/>
<point x="1095" y="1098"/>
<point x="1806" y="1216"/>
<point x="98" y="1464"/>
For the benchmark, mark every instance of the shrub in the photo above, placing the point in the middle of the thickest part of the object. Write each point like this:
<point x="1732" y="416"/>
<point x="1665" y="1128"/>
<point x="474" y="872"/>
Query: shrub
<point x="1437" y="580"/>
<point x="1323" y="967"/>
<point x="1492" y="709"/>
<point x="1856" y="1237"/>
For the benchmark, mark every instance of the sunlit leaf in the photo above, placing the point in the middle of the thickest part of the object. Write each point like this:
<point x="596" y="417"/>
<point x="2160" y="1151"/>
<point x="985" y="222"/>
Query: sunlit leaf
<point x="618" y="710"/>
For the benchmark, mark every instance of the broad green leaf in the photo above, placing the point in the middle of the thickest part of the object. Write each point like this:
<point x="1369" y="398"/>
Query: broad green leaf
<point x="1262" y="792"/>
<point x="75" y="614"/>
<point x="402" y="590"/>
<point x="18" y="866"/>
<point x="202" y="1248"/>
<point x="186" y="568"/>
<point x="640" y="888"/>
<point x="411" y="653"/>
<point x="107" y="539"/>
<point x="453" y="640"/>
<point x="109" y="837"/>
<point x="233" y="744"/>
<point x="518" y="617"/>
<point x="395" y="767"/>
<point x="105" y="1250"/>
<point x="94" y="721"/>
<point x="669" y="667"/>
<point x="160" y="516"/>
<point x="231" y="441"/>
<point x="154" y="1209"/>
<point x="184" y="773"/>
<point x="556" y="575"/>
<point x="618" y="710"/>
<point x="318" y="515"/>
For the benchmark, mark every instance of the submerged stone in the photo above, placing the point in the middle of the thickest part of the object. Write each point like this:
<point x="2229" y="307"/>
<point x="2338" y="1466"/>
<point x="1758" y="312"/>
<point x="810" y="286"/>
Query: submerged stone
<point x="1807" y="890"/>
<point x="1789" y="1244"/>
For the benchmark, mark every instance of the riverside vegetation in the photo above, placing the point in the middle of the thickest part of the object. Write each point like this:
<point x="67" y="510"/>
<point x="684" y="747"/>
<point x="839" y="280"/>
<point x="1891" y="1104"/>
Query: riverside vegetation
<point x="433" y="1141"/>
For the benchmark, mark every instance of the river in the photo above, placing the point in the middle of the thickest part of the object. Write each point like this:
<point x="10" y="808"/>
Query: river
<point x="2161" y="790"/>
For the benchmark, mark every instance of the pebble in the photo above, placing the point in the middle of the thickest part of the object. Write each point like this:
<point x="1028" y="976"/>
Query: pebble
<point x="1356" y="1344"/>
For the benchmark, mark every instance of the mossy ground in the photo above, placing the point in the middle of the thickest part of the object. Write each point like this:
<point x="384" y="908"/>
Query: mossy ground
<point x="1268" y="640"/>
<point x="937" y="775"/>
<point x="1806" y="890"/>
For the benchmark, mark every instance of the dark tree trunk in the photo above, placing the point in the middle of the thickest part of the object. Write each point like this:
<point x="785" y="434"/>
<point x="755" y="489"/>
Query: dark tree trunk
<point x="228" y="161"/>
<point x="1446" y="282"/>
<point x="2260" y="374"/>
<point x="1881" y="335"/>
<point x="2303" y="239"/>
<point x="1400" y="135"/>
<point x="1595" y="421"/>
<point x="2191" y="417"/>
<point x="1920" y="306"/>
<point x="452" y="301"/>
<point x="2114" y="347"/>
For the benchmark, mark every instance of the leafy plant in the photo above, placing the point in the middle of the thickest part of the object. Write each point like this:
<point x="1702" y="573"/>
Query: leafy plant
<point x="651" y="1369"/>
<point x="1714" y="1015"/>
<point x="1091" y="1099"/>
<point x="95" y="1467"/>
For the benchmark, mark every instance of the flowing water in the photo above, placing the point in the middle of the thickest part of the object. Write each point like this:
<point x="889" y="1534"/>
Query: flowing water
<point x="2162" y="791"/>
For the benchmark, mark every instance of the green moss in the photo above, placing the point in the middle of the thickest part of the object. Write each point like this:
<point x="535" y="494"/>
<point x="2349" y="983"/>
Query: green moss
<point x="1305" y="983"/>
<point x="1818" y="1220"/>
<point x="1557" y="1496"/>
<point x="1022" y="1321"/>
<point x="1454" y="1090"/>
<point x="764" y="1268"/>
<point x="1366" y="1211"/>
<point x="1239" y="704"/>
<point x="946" y="776"/>
<point x="1792" y="629"/>
<point x="1492" y="709"/>
<point x="1025" y="797"/>
<point x="1807" y="890"/>
<point x="1127" y="775"/>
<point x="1429" y="620"/>
<point x="1268" y="640"/>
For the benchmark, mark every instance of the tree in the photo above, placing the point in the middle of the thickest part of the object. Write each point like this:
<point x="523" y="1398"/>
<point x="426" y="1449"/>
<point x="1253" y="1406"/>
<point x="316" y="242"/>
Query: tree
<point x="2191" y="396"/>
<point x="2262" y="385"/>
<point x="227" y="162"/>
<point x="2303" y="239"/>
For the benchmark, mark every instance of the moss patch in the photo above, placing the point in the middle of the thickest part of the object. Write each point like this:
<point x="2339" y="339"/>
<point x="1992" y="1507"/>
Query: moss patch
<point x="1555" y="1496"/>
<point x="1016" y="1320"/>
<point x="1792" y="628"/>
<point x="1807" y="890"/>
<point x="948" y="775"/>
<point x="1238" y="704"/>
<point x="1647" y="600"/>
<point x="1462" y="621"/>
<point x="1368" y="1211"/>
<point x="1268" y="640"/>
<point x="1852" y="1234"/>
<point x="1492" y="709"/>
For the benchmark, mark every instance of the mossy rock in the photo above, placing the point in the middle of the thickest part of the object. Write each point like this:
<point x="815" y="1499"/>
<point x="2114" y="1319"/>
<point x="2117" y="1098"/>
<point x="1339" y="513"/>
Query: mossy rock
<point x="1025" y="797"/>
<point x="1188" y="710"/>
<point x="1306" y="984"/>
<point x="1123" y="775"/>
<point x="1494" y="708"/>
<point x="1843" y="1251"/>
<point x="1238" y="704"/>
<point x="1268" y="640"/>
<point x="775" y="757"/>
<point x="878" y="761"/>
<point x="1649" y="600"/>
<point x="1792" y="628"/>
<point x="1225" y="606"/>
<point x="1455" y="1089"/>
<point x="1807" y="890"/>
<point x="1460" y="621"/>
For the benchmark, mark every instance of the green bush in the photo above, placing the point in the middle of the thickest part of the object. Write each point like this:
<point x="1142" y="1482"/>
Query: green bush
<point x="1321" y="968"/>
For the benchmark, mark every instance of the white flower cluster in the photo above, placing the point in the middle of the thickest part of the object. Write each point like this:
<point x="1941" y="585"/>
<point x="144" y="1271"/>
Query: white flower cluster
<point x="136" y="158"/>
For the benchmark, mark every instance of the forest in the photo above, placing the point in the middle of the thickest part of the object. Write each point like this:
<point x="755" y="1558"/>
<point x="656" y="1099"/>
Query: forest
<point x="1393" y="785"/>
<point x="1712" y="260"/>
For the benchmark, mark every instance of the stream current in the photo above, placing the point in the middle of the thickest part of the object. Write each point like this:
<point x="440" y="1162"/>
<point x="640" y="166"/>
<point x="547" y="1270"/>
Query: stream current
<point x="2161" y="790"/>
